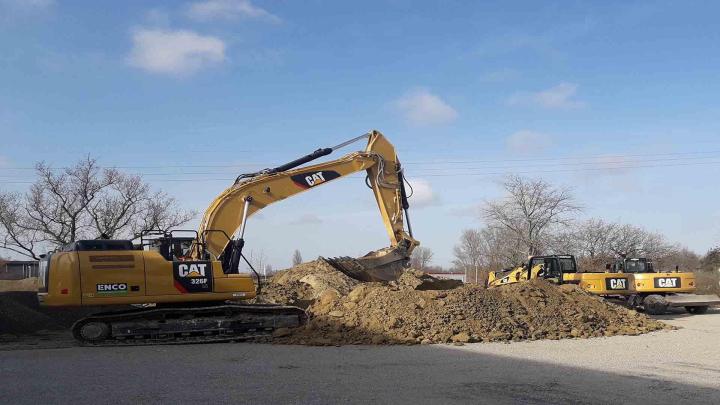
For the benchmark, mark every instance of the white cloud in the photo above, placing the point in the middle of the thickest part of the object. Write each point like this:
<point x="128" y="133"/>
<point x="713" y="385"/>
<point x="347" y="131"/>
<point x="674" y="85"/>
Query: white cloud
<point x="525" y="142"/>
<point x="210" y="10"/>
<point x="561" y="97"/>
<point x="422" y="193"/>
<point x="420" y="107"/>
<point x="174" y="52"/>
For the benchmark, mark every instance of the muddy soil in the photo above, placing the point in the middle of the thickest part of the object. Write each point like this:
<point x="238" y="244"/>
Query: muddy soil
<point x="410" y="311"/>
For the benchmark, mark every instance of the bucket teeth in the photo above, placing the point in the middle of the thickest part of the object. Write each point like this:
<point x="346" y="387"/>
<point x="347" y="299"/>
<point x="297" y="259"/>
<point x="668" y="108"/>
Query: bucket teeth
<point x="349" y="266"/>
<point x="365" y="270"/>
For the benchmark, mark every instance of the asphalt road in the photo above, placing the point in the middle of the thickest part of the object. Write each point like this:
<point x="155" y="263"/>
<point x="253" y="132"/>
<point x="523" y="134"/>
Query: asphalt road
<point x="664" y="367"/>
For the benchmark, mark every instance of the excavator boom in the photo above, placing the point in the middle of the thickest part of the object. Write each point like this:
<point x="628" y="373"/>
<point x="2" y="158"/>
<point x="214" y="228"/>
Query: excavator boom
<point x="222" y="230"/>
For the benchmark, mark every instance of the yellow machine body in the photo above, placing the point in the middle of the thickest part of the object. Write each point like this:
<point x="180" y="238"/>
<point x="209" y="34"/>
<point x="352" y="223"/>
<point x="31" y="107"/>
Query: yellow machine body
<point x="668" y="282"/>
<point x="601" y="283"/>
<point x="112" y="277"/>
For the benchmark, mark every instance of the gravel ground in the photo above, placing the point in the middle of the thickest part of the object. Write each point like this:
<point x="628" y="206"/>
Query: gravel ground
<point x="662" y="367"/>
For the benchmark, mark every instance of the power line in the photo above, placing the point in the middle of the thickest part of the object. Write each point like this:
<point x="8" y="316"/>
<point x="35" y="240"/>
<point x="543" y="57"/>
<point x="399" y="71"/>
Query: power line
<point x="449" y="161"/>
<point x="465" y="173"/>
<point x="609" y="164"/>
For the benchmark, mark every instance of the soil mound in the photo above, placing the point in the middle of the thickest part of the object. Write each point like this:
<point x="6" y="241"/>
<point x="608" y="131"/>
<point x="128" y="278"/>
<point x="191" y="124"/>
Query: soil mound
<point x="303" y="284"/>
<point x="26" y="284"/>
<point x="19" y="315"/>
<point x="406" y="312"/>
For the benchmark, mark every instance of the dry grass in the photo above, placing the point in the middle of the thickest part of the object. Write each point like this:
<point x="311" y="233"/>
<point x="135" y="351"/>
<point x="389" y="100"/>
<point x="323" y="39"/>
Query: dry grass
<point x="708" y="282"/>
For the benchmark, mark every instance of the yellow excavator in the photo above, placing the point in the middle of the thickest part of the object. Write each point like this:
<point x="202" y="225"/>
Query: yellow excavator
<point x="562" y="269"/>
<point x="655" y="292"/>
<point x="633" y="281"/>
<point x="186" y="288"/>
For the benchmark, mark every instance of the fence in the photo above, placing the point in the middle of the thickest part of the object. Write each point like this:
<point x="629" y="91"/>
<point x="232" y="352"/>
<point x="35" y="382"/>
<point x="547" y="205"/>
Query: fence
<point x="17" y="270"/>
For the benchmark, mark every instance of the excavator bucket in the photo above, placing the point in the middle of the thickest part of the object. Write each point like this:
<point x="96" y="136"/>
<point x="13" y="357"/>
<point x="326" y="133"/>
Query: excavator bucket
<point x="381" y="265"/>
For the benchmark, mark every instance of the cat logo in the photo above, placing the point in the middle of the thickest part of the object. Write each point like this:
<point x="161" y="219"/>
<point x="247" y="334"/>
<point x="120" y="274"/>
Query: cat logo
<point x="667" y="282"/>
<point x="315" y="179"/>
<point x="193" y="277"/>
<point x="192" y="270"/>
<point x="312" y="179"/>
<point x="616" y="283"/>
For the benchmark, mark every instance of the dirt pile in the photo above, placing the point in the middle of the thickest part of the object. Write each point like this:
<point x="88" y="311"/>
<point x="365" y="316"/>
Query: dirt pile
<point x="26" y="284"/>
<point x="401" y="313"/>
<point x="19" y="314"/>
<point x="305" y="283"/>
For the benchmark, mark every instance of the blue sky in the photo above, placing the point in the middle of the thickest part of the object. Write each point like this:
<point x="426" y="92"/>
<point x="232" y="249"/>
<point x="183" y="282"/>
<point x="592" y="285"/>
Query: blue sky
<point x="616" y="99"/>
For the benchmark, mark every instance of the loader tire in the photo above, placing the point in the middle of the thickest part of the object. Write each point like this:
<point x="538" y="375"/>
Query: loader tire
<point x="697" y="310"/>
<point x="655" y="305"/>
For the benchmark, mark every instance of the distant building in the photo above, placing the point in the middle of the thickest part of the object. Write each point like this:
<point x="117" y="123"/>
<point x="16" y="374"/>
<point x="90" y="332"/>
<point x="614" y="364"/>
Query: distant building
<point x="449" y="276"/>
<point x="18" y="269"/>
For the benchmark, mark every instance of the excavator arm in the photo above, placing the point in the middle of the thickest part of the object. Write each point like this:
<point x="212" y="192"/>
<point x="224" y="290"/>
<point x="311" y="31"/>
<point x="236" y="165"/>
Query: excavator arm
<point x="222" y="230"/>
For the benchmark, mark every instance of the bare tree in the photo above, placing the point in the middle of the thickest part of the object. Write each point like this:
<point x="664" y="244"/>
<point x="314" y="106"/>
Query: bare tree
<point x="529" y="209"/>
<point x="159" y="211"/>
<point x="82" y="202"/>
<point x="469" y="253"/>
<point x="593" y="237"/>
<point x="17" y="236"/>
<point x="590" y="241"/>
<point x="681" y="257"/>
<point x="258" y="259"/>
<point x="296" y="258"/>
<point x="421" y="258"/>
<point x="630" y="240"/>
<point x="711" y="260"/>
<point x="500" y="248"/>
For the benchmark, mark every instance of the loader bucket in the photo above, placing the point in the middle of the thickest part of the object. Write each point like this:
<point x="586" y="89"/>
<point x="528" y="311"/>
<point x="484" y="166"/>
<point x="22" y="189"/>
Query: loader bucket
<point x="381" y="265"/>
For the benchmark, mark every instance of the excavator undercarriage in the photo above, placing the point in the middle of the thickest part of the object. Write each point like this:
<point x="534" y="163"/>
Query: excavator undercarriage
<point x="219" y="322"/>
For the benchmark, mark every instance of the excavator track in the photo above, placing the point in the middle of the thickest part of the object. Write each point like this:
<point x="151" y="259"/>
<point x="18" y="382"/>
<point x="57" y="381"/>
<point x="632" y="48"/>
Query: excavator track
<point x="182" y="325"/>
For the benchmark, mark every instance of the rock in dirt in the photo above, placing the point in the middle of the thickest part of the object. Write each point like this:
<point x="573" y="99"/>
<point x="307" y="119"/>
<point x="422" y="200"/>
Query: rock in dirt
<point x="399" y="313"/>
<point x="305" y="283"/>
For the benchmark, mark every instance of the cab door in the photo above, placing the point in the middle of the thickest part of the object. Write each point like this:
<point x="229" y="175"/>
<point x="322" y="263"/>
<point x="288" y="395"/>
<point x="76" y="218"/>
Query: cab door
<point x="112" y="276"/>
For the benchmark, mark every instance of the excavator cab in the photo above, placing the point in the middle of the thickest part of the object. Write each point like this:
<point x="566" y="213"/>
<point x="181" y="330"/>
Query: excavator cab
<point x="552" y="268"/>
<point x="170" y="244"/>
<point x="556" y="269"/>
<point x="632" y="266"/>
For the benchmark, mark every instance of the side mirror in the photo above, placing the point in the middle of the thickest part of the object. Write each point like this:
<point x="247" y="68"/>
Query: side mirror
<point x="677" y="269"/>
<point x="42" y="256"/>
<point x="608" y="266"/>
